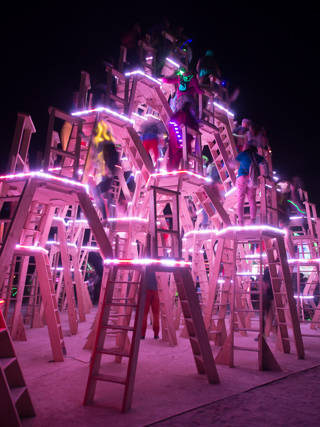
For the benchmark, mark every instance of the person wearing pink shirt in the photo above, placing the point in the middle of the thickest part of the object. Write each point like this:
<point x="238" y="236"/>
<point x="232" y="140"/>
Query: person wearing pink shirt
<point x="187" y="86"/>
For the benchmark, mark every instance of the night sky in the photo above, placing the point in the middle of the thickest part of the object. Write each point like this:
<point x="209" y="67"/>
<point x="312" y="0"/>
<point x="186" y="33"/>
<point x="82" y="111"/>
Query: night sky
<point x="270" y="51"/>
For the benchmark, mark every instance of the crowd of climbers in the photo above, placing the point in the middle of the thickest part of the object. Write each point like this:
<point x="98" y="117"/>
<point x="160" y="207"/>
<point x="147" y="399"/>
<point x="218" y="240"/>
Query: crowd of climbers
<point x="250" y="138"/>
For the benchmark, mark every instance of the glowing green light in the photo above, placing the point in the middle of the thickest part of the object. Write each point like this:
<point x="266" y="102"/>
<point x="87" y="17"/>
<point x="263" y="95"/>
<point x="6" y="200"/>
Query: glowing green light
<point x="290" y="201"/>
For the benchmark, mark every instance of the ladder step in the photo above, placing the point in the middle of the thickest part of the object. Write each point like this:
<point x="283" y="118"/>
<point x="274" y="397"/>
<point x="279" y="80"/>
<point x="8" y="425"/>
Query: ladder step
<point x="124" y="281"/>
<point x="118" y="328"/>
<point x="6" y="361"/>
<point x="246" y="329"/>
<point x="115" y="351"/>
<point x="109" y="378"/>
<point x="120" y="304"/>
<point x="248" y="292"/>
<point x="245" y="348"/>
<point x="16" y="393"/>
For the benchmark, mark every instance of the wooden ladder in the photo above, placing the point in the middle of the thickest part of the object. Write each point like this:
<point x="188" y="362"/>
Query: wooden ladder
<point x="239" y="291"/>
<point x="198" y="337"/>
<point x="15" y="401"/>
<point x="106" y="332"/>
<point x="283" y="296"/>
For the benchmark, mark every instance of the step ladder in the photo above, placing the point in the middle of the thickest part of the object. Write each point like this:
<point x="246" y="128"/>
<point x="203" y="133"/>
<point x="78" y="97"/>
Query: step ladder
<point x="305" y="292"/>
<point x="15" y="402"/>
<point x="282" y="288"/>
<point x="283" y="296"/>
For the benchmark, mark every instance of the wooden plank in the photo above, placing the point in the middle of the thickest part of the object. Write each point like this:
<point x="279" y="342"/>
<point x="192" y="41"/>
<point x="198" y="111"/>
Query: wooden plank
<point x="49" y="309"/>
<point x="15" y="227"/>
<point x="95" y="225"/>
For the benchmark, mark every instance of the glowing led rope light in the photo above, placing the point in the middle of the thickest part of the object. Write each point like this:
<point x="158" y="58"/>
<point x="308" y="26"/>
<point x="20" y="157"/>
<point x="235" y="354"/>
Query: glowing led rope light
<point x="223" y="109"/>
<point x="54" y="242"/>
<point x="303" y="260"/>
<point x="40" y="174"/>
<point x="198" y="232"/>
<point x="32" y="248"/>
<point x="132" y="218"/>
<point x="105" y="110"/>
<point x="304" y="296"/>
<point x="173" y="173"/>
<point x="77" y="221"/>
<point x="90" y="248"/>
<point x="144" y="75"/>
<point x="178" y="133"/>
<point x="296" y="206"/>
<point x="173" y="63"/>
<point x="252" y="228"/>
<point x="147" y="261"/>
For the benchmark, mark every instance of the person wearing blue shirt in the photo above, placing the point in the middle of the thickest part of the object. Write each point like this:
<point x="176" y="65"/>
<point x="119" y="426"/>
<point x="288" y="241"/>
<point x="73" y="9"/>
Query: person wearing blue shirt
<point x="243" y="162"/>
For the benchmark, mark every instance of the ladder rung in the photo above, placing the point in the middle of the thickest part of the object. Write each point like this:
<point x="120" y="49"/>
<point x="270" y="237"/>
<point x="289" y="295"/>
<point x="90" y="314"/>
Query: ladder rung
<point x="118" y="328"/>
<point x="245" y="348"/>
<point x="120" y="304"/>
<point x="246" y="329"/>
<point x="115" y="351"/>
<point x="108" y="378"/>
<point x="123" y="281"/>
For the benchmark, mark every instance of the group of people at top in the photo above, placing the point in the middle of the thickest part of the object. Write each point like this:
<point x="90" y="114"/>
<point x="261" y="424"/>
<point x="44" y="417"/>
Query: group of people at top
<point x="250" y="138"/>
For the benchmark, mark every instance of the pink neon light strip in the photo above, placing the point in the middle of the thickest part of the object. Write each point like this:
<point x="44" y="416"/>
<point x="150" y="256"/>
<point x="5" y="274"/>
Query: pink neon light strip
<point x="41" y="174"/>
<point x="147" y="261"/>
<point x="199" y="232"/>
<point x="32" y="248"/>
<point x="173" y="173"/>
<point x="252" y="228"/>
<point x="144" y="75"/>
<point x="172" y="62"/>
<point x="303" y="260"/>
<point x="132" y="218"/>
<point x="224" y="109"/>
<point x="106" y="110"/>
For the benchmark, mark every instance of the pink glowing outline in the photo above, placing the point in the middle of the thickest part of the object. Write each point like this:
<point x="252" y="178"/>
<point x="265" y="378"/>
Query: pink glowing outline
<point x="173" y="173"/>
<point x="224" y="109"/>
<point x="173" y="63"/>
<point x="107" y="110"/>
<point x="252" y="228"/>
<point x="41" y="174"/>
<point x="32" y="248"/>
<point x="198" y="232"/>
<point x="148" y="261"/>
<point x="129" y="218"/>
<point x="303" y="260"/>
<point x="144" y="75"/>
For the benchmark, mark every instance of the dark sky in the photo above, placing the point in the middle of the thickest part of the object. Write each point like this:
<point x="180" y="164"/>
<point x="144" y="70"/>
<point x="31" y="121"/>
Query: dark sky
<point x="269" y="49"/>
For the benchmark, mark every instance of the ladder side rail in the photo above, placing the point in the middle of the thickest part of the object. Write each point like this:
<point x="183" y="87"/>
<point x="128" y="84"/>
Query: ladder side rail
<point x="18" y="157"/>
<point x="135" y="342"/>
<point x="16" y="225"/>
<point x="290" y="298"/>
<point x="84" y="88"/>
<point x="71" y="153"/>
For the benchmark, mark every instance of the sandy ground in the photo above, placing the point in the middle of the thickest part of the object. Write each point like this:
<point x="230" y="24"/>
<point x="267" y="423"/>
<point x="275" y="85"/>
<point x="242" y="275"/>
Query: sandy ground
<point x="292" y="401"/>
<point x="168" y="390"/>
